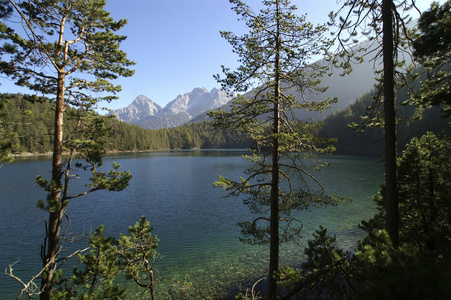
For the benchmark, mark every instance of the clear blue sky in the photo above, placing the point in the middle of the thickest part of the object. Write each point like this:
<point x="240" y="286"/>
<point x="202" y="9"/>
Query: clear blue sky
<point x="177" y="46"/>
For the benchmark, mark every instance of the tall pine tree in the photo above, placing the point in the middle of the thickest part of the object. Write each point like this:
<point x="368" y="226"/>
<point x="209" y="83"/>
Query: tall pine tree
<point x="275" y="61"/>
<point x="384" y="23"/>
<point x="69" y="51"/>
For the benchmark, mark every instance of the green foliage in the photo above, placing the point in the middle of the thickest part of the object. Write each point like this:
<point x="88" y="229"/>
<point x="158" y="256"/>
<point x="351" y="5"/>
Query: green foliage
<point x="385" y="23"/>
<point x="382" y="272"/>
<point x="322" y="251"/>
<point x="425" y="211"/>
<point x="133" y="256"/>
<point x="90" y="47"/>
<point x="323" y="274"/>
<point x="138" y="255"/>
<point x="101" y="266"/>
<point x="8" y="138"/>
<point x="6" y="10"/>
<point x="362" y="20"/>
<point x="432" y="49"/>
<point x="32" y="132"/>
<point x="69" y="50"/>
<point x="112" y="181"/>
<point x="419" y="267"/>
<point x="86" y="141"/>
<point x="370" y="141"/>
<point x="424" y="173"/>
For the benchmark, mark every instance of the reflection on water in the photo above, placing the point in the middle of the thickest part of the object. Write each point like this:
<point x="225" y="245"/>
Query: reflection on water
<point x="195" y="224"/>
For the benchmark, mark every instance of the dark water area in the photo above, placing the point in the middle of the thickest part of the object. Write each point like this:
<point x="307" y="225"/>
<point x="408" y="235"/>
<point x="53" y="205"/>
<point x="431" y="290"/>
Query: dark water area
<point x="199" y="238"/>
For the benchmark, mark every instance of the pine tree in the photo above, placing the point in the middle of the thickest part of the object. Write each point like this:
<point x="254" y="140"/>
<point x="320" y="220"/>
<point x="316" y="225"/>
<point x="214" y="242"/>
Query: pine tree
<point x="432" y="48"/>
<point x="138" y="255"/>
<point x="70" y="52"/>
<point x="365" y="18"/>
<point x="275" y="61"/>
<point x="133" y="256"/>
<point x="323" y="274"/>
<point x="420" y="266"/>
<point x="101" y="265"/>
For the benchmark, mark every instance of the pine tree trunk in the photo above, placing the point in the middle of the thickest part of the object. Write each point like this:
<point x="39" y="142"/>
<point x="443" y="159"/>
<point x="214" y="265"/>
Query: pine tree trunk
<point x="55" y="216"/>
<point x="274" y="220"/>
<point x="391" y="180"/>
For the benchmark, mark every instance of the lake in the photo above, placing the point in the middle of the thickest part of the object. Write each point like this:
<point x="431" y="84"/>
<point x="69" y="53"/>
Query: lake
<point x="199" y="238"/>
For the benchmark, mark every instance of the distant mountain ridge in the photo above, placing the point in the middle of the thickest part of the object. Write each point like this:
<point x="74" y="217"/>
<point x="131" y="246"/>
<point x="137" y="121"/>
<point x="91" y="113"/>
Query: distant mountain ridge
<point x="193" y="107"/>
<point x="145" y="113"/>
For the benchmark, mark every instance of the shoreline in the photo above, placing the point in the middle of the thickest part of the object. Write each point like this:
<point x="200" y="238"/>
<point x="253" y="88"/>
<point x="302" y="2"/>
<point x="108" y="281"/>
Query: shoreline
<point x="109" y="152"/>
<point x="49" y="154"/>
<point x="27" y="154"/>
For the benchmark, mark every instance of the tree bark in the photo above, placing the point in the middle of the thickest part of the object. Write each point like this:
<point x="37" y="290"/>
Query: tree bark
<point x="390" y="149"/>
<point x="274" y="223"/>
<point x="55" y="216"/>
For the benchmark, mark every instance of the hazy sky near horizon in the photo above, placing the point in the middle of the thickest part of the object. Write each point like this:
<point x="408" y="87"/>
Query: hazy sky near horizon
<point x="177" y="46"/>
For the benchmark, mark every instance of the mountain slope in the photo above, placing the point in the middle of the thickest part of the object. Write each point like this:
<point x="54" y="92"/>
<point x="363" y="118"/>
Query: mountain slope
<point x="345" y="88"/>
<point x="370" y="142"/>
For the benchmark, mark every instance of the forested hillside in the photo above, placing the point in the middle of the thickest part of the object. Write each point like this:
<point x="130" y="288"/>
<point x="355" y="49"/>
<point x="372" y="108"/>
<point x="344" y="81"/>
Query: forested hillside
<point x="30" y="125"/>
<point x="370" y="142"/>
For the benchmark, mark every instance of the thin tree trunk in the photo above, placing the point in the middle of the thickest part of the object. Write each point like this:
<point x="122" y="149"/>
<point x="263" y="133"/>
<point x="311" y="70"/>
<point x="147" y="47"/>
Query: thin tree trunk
<point x="55" y="216"/>
<point x="274" y="220"/>
<point x="152" y="291"/>
<point x="391" y="180"/>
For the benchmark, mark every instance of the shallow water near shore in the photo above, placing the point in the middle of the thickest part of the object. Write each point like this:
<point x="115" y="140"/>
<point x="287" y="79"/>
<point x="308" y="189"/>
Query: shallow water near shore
<point x="199" y="239"/>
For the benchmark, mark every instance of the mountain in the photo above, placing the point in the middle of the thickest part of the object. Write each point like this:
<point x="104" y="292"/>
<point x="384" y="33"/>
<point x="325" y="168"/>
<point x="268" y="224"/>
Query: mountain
<point x="192" y="107"/>
<point x="196" y="102"/>
<point x="147" y="114"/>
<point x="141" y="108"/>
<point x="346" y="88"/>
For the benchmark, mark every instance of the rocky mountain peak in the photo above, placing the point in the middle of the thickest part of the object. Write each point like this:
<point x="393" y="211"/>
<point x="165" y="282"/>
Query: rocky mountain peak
<point x="197" y="101"/>
<point x="140" y="108"/>
<point x="199" y="91"/>
<point x="146" y="113"/>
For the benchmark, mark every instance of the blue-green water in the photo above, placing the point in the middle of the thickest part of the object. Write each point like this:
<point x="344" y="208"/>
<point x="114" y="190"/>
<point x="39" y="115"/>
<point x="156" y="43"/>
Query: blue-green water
<point x="196" y="226"/>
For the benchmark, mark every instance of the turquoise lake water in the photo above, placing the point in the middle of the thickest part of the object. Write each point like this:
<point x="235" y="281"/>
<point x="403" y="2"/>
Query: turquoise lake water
<point x="199" y="238"/>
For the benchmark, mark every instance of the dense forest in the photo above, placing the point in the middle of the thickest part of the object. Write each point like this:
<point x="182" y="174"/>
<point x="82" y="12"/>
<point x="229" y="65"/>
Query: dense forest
<point x="30" y="124"/>
<point x="412" y="122"/>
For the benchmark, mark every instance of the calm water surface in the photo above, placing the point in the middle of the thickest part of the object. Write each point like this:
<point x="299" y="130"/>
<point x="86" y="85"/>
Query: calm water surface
<point x="196" y="226"/>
